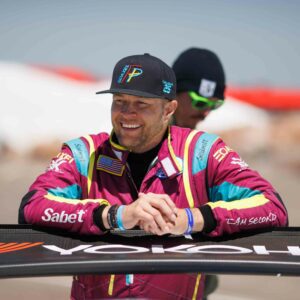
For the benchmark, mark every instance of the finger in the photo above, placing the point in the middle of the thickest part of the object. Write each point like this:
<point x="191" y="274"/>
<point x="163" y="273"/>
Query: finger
<point x="163" y="207"/>
<point x="146" y="219"/>
<point x="154" y="206"/>
<point x="167" y="199"/>
<point x="157" y="216"/>
<point x="141" y="225"/>
<point x="157" y="231"/>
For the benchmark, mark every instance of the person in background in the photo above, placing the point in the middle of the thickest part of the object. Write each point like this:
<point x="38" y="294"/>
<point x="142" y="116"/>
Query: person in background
<point x="200" y="86"/>
<point x="200" y="89"/>
<point x="149" y="174"/>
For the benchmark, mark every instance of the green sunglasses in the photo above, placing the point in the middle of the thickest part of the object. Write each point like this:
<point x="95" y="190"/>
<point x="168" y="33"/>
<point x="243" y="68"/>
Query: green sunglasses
<point x="200" y="102"/>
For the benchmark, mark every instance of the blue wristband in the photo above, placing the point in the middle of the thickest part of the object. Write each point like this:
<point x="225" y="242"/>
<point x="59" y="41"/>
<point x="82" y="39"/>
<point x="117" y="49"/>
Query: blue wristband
<point x="190" y="221"/>
<point x="119" y="217"/>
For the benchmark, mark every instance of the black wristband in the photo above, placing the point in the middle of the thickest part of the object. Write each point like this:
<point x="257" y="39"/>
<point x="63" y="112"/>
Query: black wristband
<point x="210" y="222"/>
<point x="97" y="217"/>
<point x="112" y="216"/>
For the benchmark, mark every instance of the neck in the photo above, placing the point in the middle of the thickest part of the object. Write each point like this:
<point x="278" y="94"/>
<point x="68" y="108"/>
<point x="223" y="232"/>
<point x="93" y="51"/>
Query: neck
<point x="155" y="144"/>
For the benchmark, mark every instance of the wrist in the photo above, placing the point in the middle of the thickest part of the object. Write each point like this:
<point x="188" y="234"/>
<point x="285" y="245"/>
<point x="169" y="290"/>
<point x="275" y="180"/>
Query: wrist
<point x="128" y="220"/>
<point x="181" y="223"/>
<point x="198" y="220"/>
<point x="120" y="217"/>
<point x="98" y="217"/>
<point x="209" y="221"/>
<point x="111" y="217"/>
<point x="190" y="221"/>
<point x="104" y="217"/>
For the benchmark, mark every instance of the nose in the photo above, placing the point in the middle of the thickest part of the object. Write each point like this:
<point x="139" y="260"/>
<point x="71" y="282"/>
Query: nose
<point x="128" y="108"/>
<point x="205" y="113"/>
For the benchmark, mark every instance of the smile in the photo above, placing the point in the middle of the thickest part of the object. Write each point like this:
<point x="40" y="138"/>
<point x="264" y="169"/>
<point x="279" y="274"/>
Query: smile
<point x="130" y="126"/>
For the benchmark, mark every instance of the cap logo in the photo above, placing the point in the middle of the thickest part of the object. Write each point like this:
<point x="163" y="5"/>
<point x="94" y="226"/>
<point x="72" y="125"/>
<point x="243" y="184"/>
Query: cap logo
<point x="167" y="86"/>
<point x="207" y="88"/>
<point x="128" y="72"/>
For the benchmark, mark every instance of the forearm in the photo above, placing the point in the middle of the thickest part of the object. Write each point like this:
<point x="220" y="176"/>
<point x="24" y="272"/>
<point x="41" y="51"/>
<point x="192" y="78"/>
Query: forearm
<point x="74" y="215"/>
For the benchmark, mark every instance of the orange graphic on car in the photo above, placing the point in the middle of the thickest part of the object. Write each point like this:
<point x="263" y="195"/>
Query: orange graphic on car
<point x="9" y="247"/>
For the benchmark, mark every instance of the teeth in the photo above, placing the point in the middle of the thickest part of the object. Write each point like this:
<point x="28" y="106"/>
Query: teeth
<point x="130" y="125"/>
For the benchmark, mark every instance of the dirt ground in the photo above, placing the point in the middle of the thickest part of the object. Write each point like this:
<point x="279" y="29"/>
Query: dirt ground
<point x="17" y="173"/>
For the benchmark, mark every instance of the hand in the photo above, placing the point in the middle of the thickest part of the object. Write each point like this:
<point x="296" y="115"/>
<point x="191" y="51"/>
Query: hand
<point x="152" y="212"/>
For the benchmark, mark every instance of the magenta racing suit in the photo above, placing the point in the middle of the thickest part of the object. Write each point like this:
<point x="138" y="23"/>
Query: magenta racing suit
<point x="194" y="168"/>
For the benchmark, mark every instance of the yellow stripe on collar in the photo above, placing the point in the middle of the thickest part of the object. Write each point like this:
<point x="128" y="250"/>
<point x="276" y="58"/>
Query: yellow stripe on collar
<point x="91" y="163"/>
<point x="115" y="145"/>
<point x="186" y="178"/>
<point x="174" y="158"/>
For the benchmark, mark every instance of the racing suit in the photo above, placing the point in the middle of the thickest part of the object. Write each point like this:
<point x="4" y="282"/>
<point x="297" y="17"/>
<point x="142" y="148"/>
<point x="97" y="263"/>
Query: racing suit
<point x="194" y="168"/>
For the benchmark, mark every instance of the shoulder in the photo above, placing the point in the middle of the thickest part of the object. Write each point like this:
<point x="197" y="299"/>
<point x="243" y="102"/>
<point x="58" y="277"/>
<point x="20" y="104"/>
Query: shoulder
<point x="201" y="146"/>
<point x="83" y="147"/>
<point x="179" y="131"/>
<point x="88" y="141"/>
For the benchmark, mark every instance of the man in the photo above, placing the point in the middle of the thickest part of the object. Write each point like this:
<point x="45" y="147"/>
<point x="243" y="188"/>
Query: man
<point x="200" y="89"/>
<point x="164" y="179"/>
<point x="200" y="86"/>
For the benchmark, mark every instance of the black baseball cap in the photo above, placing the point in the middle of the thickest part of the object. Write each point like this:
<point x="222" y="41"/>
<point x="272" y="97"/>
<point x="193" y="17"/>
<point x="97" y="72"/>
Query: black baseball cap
<point x="143" y="75"/>
<point x="201" y="71"/>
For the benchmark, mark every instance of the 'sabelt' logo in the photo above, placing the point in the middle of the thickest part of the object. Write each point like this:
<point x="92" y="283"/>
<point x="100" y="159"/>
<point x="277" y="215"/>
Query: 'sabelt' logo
<point x="9" y="247"/>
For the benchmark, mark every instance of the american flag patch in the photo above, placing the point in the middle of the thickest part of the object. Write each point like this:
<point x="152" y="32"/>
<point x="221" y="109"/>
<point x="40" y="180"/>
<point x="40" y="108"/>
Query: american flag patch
<point x="110" y="165"/>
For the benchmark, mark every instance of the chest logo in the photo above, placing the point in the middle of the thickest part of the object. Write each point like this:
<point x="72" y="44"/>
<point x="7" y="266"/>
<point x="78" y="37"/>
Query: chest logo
<point x="161" y="174"/>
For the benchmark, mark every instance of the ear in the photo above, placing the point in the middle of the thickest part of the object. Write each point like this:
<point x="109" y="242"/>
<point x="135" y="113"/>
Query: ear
<point x="170" y="108"/>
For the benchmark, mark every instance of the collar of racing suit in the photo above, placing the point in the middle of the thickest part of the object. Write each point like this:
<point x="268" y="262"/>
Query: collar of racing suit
<point x="171" y="164"/>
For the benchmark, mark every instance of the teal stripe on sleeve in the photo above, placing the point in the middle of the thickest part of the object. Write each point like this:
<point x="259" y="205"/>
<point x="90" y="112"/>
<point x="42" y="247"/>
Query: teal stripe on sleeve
<point x="72" y="192"/>
<point x="229" y="192"/>
<point x="201" y="151"/>
<point x="80" y="154"/>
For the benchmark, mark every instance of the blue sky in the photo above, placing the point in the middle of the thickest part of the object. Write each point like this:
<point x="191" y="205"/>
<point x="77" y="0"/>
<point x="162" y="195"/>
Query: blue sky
<point x="257" y="41"/>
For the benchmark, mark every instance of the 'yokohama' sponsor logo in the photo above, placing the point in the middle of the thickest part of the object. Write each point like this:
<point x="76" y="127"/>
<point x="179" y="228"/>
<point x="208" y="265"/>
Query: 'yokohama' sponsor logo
<point x="9" y="247"/>
<point x="154" y="249"/>
<point x="184" y="249"/>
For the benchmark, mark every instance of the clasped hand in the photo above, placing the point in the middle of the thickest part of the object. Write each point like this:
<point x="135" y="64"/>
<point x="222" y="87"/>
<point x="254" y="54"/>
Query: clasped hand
<point x="155" y="213"/>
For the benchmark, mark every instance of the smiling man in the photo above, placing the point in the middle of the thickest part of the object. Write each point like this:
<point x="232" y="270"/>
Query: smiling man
<point x="149" y="175"/>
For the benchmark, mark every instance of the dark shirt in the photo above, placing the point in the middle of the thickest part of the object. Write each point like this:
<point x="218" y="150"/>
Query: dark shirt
<point x="139" y="164"/>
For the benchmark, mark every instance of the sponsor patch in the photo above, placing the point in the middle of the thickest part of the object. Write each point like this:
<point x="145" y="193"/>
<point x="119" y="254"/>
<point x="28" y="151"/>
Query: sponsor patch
<point x="60" y="159"/>
<point x="168" y="167"/>
<point x="221" y="153"/>
<point x="161" y="174"/>
<point x="62" y="217"/>
<point x="207" y="88"/>
<point x="240" y="162"/>
<point x="167" y="86"/>
<point x="253" y="220"/>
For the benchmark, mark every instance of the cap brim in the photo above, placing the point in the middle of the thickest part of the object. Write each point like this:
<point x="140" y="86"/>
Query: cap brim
<point x="131" y="92"/>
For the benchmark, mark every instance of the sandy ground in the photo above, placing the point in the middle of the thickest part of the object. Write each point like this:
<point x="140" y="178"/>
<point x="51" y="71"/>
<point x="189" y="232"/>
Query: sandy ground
<point x="16" y="174"/>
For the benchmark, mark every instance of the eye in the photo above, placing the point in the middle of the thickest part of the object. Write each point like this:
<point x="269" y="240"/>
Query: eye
<point x="142" y="104"/>
<point x="118" y="101"/>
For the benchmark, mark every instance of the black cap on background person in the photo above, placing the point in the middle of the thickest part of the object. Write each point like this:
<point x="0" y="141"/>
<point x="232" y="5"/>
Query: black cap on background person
<point x="200" y="85"/>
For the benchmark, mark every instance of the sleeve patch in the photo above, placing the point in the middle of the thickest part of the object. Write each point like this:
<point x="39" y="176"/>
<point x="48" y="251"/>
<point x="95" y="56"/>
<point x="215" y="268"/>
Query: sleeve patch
<point x="221" y="153"/>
